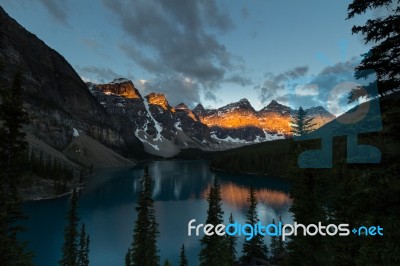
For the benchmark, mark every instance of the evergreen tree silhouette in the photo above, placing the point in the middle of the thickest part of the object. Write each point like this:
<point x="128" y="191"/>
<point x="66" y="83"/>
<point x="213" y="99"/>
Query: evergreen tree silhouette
<point x="182" y="257"/>
<point x="12" y="169"/>
<point x="143" y="250"/>
<point x="232" y="242"/>
<point x="382" y="31"/>
<point x="70" y="245"/>
<point x="301" y="123"/>
<point x="255" y="248"/>
<point x="213" y="248"/>
<point x="167" y="263"/>
<point x="83" y="251"/>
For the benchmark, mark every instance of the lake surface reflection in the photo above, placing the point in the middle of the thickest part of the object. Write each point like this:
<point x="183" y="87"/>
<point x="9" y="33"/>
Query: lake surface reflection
<point x="107" y="207"/>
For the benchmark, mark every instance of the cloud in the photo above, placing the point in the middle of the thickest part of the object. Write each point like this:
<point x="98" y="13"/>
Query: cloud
<point x="100" y="74"/>
<point x="214" y="16"/>
<point x="239" y="79"/>
<point x="274" y="86"/>
<point x="341" y="68"/>
<point x="333" y="77"/>
<point x="295" y="88"/>
<point x="91" y="43"/>
<point x="244" y="12"/>
<point x="150" y="64"/>
<point x="184" y="89"/>
<point x="58" y="10"/>
<point x="209" y="95"/>
<point x="307" y="90"/>
<point x="176" y="38"/>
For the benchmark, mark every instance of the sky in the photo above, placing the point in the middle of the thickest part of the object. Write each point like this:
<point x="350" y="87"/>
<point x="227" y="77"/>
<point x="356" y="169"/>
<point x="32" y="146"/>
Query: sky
<point x="213" y="52"/>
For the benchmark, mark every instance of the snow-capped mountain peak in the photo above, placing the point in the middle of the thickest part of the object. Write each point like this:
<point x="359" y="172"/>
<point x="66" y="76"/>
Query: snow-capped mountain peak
<point x="164" y="130"/>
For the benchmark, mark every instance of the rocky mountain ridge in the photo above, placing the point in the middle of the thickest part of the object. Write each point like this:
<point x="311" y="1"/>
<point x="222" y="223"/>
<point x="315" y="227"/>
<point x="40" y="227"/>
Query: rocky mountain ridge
<point x="55" y="97"/>
<point x="164" y="130"/>
<point x="115" y="114"/>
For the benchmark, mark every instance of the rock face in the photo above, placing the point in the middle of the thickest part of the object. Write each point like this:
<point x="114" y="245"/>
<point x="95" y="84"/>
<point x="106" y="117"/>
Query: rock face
<point x="236" y="120"/>
<point x="120" y="86"/>
<point x="239" y="122"/>
<point x="55" y="96"/>
<point x="162" y="129"/>
<point x="191" y="124"/>
<point x="159" y="126"/>
<point x="275" y="118"/>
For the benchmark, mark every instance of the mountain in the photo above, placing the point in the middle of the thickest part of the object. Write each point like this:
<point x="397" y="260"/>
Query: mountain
<point x="239" y="122"/>
<point x="116" y="115"/>
<point x="236" y="122"/>
<point x="320" y="115"/>
<point x="163" y="129"/>
<point x="56" y="98"/>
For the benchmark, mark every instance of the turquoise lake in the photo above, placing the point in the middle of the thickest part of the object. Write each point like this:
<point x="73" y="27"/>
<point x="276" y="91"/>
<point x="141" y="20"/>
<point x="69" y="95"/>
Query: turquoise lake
<point x="107" y="207"/>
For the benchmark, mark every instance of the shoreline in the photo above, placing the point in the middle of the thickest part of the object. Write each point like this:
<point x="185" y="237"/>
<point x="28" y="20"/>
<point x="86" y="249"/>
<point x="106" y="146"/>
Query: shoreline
<point x="40" y="198"/>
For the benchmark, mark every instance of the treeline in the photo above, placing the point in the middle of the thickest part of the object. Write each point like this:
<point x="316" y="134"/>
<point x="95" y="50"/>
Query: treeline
<point x="269" y="158"/>
<point x="44" y="166"/>
<point x="355" y="194"/>
<point x="216" y="250"/>
<point x="48" y="167"/>
<point x="17" y="167"/>
<point x="222" y="250"/>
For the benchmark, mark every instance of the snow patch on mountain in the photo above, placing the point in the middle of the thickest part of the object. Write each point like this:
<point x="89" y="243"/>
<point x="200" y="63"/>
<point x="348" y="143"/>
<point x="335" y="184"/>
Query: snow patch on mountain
<point x="258" y="139"/>
<point x="75" y="132"/>
<point x="144" y="140"/>
<point x="269" y="136"/>
<point x="178" y="125"/>
<point x="157" y="125"/>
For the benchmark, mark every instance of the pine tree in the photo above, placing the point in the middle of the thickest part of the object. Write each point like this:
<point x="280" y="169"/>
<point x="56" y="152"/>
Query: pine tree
<point x="254" y="248"/>
<point x="301" y="123"/>
<point x="307" y="207"/>
<point x="182" y="257"/>
<point x="232" y="242"/>
<point x="128" y="260"/>
<point x="143" y="250"/>
<point x="274" y="246"/>
<point x="214" y="246"/>
<point x="167" y="263"/>
<point x="281" y="248"/>
<point x="13" y="143"/>
<point x="70" y="246"/>
<point x="83" y="252"/>
<point x="12" y="165"/>
<point x="277" y="247"/>
<point x="81" y="176"/>
<point x="384" y="33"/>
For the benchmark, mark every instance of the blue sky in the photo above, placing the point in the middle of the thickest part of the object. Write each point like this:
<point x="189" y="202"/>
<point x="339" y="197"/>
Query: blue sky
<point x="214" y="52"/>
